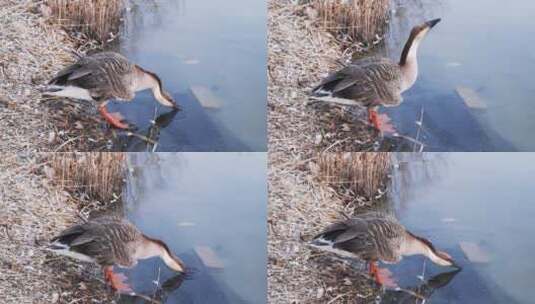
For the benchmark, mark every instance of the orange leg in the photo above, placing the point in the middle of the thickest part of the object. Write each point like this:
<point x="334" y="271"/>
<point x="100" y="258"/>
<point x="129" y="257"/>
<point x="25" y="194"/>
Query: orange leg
<point x="380" y="121"/>
<point x="117" y="280"/>
<point x="382" y="276"/>
<point x="114" y="119"/>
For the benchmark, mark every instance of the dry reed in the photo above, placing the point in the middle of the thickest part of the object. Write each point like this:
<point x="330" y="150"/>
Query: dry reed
<point x="98" y="176"/>
<point x="357" y="174"/>
<point x="97" y="19"/>
<point x="358" y="20"/>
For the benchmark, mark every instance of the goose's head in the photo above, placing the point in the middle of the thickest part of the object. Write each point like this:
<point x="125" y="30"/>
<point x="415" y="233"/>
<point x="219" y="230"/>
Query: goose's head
<point x="408" y="55"/>
<point x="421" y="245"/>
<point x="418" y="32"/>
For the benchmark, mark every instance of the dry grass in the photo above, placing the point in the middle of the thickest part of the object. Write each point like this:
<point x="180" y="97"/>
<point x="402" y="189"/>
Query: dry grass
<point x="90" y="176"/>
<point x="355" y="174"/>
<point x="97" y="19"/>
<point x="355" y="21"/>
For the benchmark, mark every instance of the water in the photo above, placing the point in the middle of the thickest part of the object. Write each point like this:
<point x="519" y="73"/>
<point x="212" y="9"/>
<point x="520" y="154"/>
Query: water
<point x="216" y="44"/>
<point x="481" y="198"/>
<point x="202" y="199"/>
<point x="483" y="45"/>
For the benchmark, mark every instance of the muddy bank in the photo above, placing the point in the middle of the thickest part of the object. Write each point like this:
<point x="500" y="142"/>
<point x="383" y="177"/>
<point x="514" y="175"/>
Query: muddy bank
<point x="32" y="49"/>
<point x="36" y="205"/>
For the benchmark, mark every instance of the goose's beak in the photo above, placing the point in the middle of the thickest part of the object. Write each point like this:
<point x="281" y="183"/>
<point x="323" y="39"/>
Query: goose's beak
<point x="455" y="265"/>
<point x="433" y="22"/>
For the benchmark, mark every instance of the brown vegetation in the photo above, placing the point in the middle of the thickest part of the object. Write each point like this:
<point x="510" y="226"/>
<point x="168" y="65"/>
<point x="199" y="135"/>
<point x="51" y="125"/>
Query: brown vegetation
<point x="95" y="176"/>
<point x="355" y="21"/>
<point x="355" y="174"/>
<point x="97" y="19"/>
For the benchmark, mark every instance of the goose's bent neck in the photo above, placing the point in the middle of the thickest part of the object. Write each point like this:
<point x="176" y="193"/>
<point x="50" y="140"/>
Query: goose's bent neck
<point x="147" y="80"/>
<point x="152" y="248"/>
<point x="414" y="246"/>
<point x="409" y="63"/>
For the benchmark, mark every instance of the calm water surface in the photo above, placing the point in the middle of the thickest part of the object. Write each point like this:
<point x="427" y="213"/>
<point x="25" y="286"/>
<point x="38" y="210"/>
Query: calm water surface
<point x="189" y="200"/>
<point x="215" y="44"/>
<point x="483" y="45"/>
<point x="482" y="198"/>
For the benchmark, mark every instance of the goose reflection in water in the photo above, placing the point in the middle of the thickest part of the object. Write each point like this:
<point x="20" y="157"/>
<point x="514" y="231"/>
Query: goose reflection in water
<point x="421" y="293"/>
<point x="147" y="140"/>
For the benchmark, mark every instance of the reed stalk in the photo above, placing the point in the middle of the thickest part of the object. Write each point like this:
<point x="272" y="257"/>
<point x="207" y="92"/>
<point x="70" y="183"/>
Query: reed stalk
<point x="360" y="174"/>
<point x="99" y="176"/>
<point x="97" y="19"/>
<point x="358" y="20"/>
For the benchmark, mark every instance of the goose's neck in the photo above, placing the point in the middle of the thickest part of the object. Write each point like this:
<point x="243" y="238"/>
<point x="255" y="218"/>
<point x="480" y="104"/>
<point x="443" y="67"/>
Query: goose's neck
<point x="409" y="63"/>
<point x="147" y="80"/>
<point x="414" y="246"/>
<point x="148" y="248"/>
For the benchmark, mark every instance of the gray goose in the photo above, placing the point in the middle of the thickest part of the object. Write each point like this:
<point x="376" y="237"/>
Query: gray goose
<point x="376" y="81"/>
<point x="376" y="236"/>
<point x="104" y="76"/>
<point x="109" y="241"/>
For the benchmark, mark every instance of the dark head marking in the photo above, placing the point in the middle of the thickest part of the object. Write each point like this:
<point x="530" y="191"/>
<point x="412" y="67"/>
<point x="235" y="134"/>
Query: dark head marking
<point x="414" y="33"/>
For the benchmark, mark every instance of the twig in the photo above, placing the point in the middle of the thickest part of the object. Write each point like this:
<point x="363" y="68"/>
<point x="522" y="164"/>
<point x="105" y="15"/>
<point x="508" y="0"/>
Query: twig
<point x="422" y="145"/>
<point x="419" y="123"/>
<point x="142" y="137"/>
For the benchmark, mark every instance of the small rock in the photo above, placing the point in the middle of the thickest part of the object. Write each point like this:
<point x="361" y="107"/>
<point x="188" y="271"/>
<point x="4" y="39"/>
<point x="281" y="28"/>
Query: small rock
<point x="474" y="252"/>
<point x="318" y="139"/>
<point x="186" y="224"/>
<point x="206" y="97"/>
<point x="320" y="293"/>
<point x="78" y="125"/>
<point x="55" y="297"/>
<point x="51" y="137"/>
<point x="471" y="98"/>
<point x="208" y="257"/>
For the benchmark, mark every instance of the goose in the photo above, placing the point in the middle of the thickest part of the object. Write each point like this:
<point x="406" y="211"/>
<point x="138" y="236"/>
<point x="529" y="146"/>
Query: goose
<point x="377" y="236"/>
<point x="104" y="76"/>
<point x="109" y="241"/>
<point x="376" y="81"/>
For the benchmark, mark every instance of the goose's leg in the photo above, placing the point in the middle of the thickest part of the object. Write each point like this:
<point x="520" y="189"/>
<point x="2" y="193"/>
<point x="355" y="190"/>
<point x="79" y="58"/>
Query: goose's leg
<point x="380" y="121"/>
<point x="117" y="280"/>
<point x="114" y="119"/>
<point x="382" y="276"/>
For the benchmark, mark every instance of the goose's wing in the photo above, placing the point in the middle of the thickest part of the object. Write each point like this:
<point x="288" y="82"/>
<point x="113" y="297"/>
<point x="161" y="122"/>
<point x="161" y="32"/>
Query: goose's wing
<point x="105" y="241"/>
<point x="368" y="81"/>
<point x="106" y="75"/>
<point x="351" y="236"/>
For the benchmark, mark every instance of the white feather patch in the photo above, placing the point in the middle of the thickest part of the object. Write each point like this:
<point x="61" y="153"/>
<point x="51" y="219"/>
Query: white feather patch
<point x="64" y="250"/>
<point x="70" y="91"/>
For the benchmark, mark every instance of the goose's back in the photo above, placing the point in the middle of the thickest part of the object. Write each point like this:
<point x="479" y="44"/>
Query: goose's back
<point x="370" y="81"/>
<point x="371" y="236"/>
<point x="105" y="75"/>
<point x="108" y="240"/>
